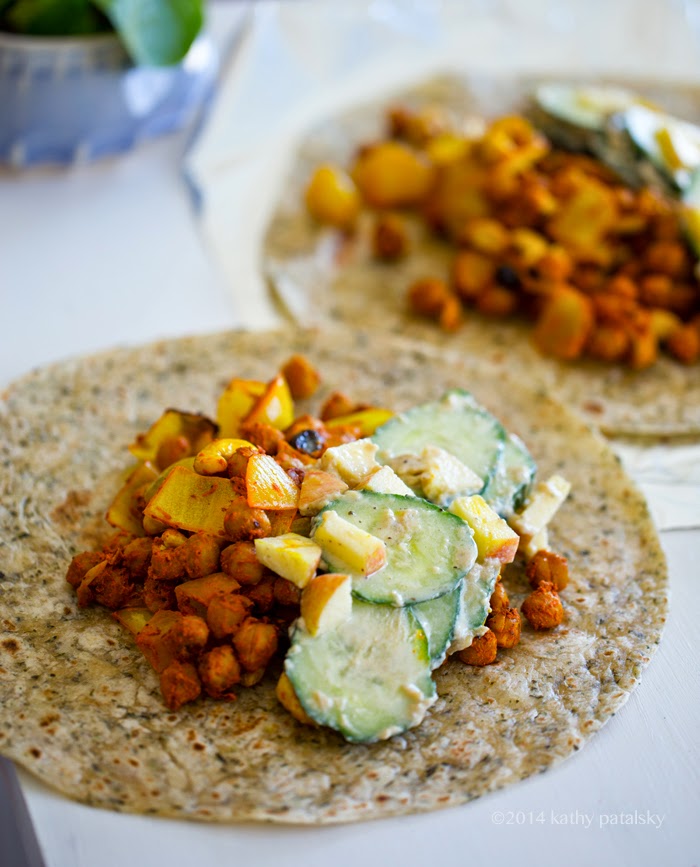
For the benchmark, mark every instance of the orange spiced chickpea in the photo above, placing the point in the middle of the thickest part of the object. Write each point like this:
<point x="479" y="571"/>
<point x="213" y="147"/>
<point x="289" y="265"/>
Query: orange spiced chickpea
<point x="389" y="237"/>
<point x="427" y="297"/>
<point x="255" y="644"/>
<point x="240" y="561"/>
<point x="543" y="607"/>
<point x="482" y="651"/>
<point x="302" y="377"/>
<point x="179" y="684"/>
<point x="219" y="671"/>
<point x="548" y="566"/>
<point x="505" y="624"/>
<point x="241" y="522"/>
<point x="499" y="597"/>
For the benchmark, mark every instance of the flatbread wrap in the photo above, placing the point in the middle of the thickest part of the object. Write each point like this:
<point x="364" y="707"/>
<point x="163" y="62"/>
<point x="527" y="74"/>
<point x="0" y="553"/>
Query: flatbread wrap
<point x="80" y="707"/>
<point x="321" y="275"/>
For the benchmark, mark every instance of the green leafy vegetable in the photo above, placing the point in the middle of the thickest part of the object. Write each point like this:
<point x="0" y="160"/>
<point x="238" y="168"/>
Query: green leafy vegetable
<point x="154" y="32"/>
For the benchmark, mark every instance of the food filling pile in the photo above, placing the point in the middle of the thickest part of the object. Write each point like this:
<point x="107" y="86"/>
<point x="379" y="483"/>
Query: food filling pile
<point x="582" y="217"/>
<point x="362" y="546"/>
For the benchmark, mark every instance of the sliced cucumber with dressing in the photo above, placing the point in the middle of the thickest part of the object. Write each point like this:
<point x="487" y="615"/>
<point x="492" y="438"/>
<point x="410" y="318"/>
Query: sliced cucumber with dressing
<point x="428" y="551"/>
<point x="475" y="603"/>
<point x="510" y="484"/>
<point x="438" y="618"/>
<point x="368" y="678"/>
<point x="455" y="423"/>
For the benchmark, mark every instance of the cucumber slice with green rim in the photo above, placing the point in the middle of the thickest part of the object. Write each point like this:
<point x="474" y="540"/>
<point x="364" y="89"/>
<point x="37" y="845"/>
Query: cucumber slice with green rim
<point x="510" y="484"/>
<point x="369" y="678"/>
<point x="438" y="618"/>
<point x="475" y="603"/>
<point x="455" y="423"/>
<point x="428" y="550"/>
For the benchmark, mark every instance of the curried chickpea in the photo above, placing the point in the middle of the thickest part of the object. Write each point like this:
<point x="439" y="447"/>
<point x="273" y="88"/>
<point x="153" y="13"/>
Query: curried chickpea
<point x="427" y="297"/>
<point x="482" y="651"/>
<point x="505" y="624"/>
<point x="472" y="273"/>
<point x="499" y="597"/>
<point x="684" y="344"/>
<point x="240" y="561"/>
<point x="543" y="607"/>
<point x="255" y="643"/>
<point x="335" y="405"/>
<point x="390" y="237"/>
<point x="219" y="671"/>
<point x="225" y="614"/>
<point x="548" y="566"/>
<point x="302" y="377"/>
<point x="242" y="523"/>
<point x="450" y="317"/>
<point x="179" y="684"/>
<point x="188" y="636"/>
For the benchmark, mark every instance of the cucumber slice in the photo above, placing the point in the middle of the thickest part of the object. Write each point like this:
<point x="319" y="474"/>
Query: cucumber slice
<point x="510" y="484"/>
<point x="369" y="678"/>
<point x="670" y="144"/>
<point x="438" y="617"/>
<point x="456" y="423"/>
<point x="475" y="603"/>
<point x="428" y="550"/>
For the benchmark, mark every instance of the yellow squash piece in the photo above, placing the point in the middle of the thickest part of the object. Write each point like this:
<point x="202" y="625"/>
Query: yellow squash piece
<point x="192" y="502"/>
<point x="236" y="401"/>
<point x="366" y="420"/>
<point x="268" y="486"/>
<point x="274" y="407"/>
<point x="197" y="429"/>
<point x="124" y="512"/>
<point x="133" y="619"/>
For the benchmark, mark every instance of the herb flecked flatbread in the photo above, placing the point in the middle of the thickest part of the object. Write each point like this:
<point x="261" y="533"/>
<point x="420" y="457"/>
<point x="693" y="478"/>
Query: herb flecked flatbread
<point x="320" y="277"/>
<point x="81" y="709"/>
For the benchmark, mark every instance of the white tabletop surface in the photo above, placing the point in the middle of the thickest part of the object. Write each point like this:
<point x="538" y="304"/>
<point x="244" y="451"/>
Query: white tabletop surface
<point x="106" y="254"/>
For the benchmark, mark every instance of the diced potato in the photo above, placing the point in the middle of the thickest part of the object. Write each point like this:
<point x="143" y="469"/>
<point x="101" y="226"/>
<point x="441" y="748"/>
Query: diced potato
<point x="332" y="197"/>
<point x="192" y="502"/>
<point x="236" y="401"/>
<point x="494" y="538"/>
<point x="444" y="476"/>
<point x="542" y="505"/>
<point x="194" y="597"/>
<point x="294" y="557"/>
<point x="152" y="639"/>
<point x="352" y="462"/>
<point x="564" y="324"/>
<point x="326" y="602"/>
<point x="268" y="486"/>
<point x="360" y="551"/>
<point x="318" y="488"/>
<point x="391" y="174"/>
<point x="385" y="481"/>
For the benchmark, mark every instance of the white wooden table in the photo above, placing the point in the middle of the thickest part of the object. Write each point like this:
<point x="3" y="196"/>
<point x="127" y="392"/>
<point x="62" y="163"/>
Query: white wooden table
<point x="111" y="254"/>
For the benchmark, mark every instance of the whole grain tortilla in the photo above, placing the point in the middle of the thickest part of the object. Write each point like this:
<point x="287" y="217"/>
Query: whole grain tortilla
<point x="319" y="276"/>
<point x="81" y="709"/>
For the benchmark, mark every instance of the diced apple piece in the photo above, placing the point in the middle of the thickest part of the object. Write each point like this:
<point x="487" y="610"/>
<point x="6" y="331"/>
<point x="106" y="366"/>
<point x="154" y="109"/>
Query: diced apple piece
<point x="194" y="597"/>
<point x="268" y="486"/>
<point x="530" y="545"/>
<point x="192" y="502"/>
<point x="444" y="476"/>
<point x="352" y="462"/>
<point x="288" y="699"/>
<point x="317" y="490"/>
<point x="293" y="557"/>
<point x="541" y="507"/>
<point x="133" y="619"/>
<point x="326" y="602"/>
<point x="358" y="550"/>
<point x="275" y="406"/>
<point x="494" y="538"/>
<point x="385" y="481"/>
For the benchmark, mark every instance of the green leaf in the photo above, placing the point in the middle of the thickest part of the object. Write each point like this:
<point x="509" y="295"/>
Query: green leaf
<point x="155" y="32"/>
<point x="52" y="17"/>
